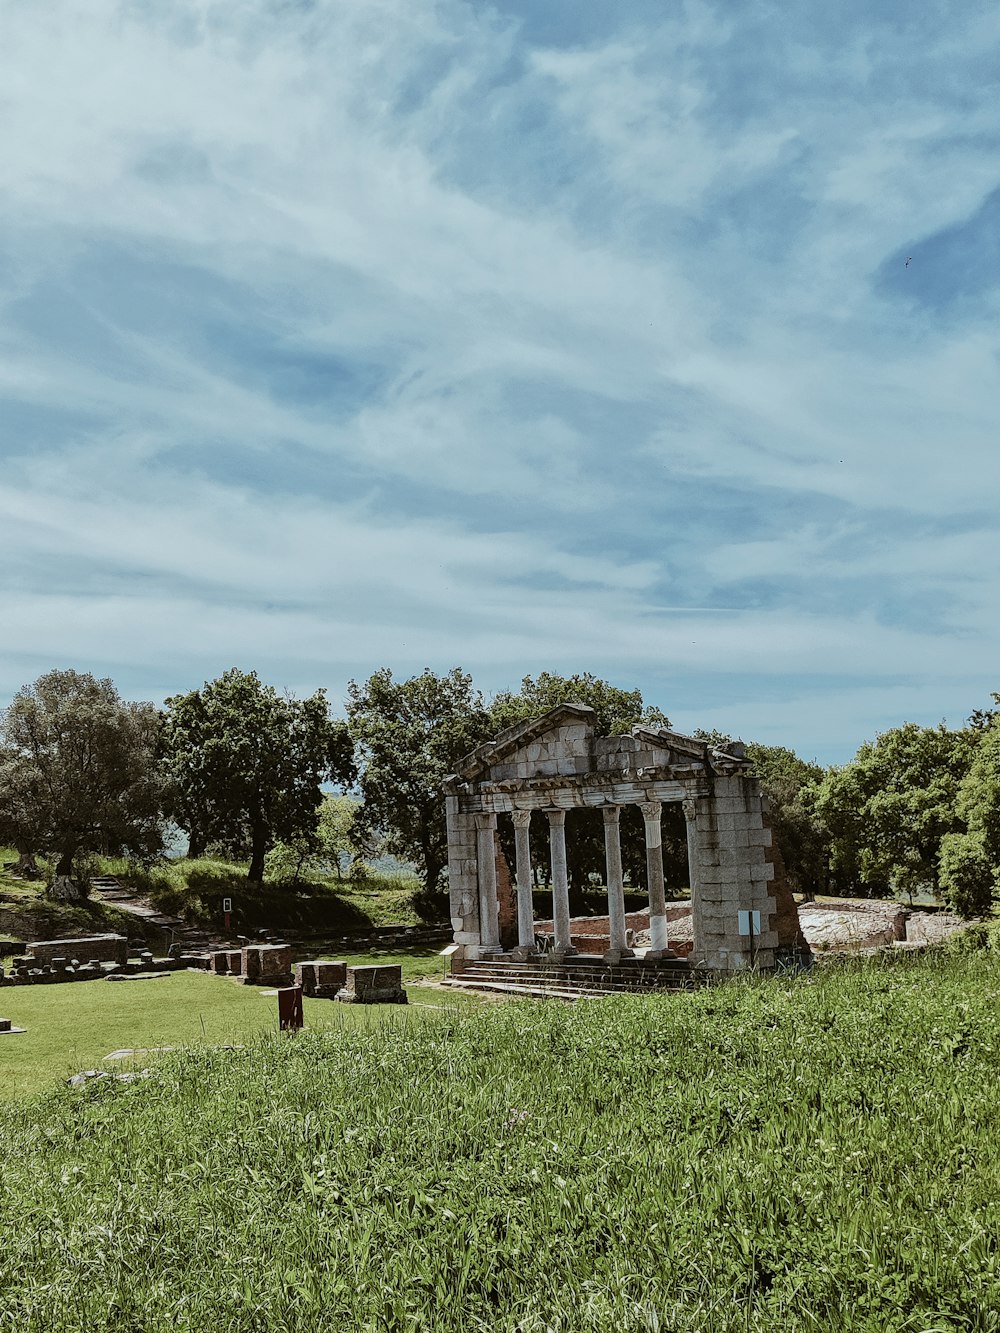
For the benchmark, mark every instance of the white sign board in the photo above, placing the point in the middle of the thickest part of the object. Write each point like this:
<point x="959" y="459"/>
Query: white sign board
<point x="227" y="904"/>
<point x="749" y="923"/>
<point x="447" y="953"/>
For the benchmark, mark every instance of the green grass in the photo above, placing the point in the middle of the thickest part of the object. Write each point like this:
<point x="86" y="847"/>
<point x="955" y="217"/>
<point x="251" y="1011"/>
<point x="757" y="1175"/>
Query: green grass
<point x="74" y="1025"/>
<point x="194" y="889"/>
<point x="820" y="1153"/>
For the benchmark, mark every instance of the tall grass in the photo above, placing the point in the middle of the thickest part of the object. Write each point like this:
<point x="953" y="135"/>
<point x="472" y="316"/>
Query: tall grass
<point x="782" y="1155"/>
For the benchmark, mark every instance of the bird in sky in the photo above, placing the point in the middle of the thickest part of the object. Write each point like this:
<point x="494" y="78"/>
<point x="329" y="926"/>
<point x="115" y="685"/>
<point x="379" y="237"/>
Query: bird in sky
<point x="907" y="264"/>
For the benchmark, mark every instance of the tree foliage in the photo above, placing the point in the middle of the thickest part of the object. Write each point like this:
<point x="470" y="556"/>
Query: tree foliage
<point x="246" y="765"/>
<point x="788" y="782"/>
<point x="78" y="771"/>
<point x="970" y="858"/>
<point x="410" y="735"/>
<point x="322" y="852"/>
<point x="617" y="710"/>
<point x="890" y="807"/>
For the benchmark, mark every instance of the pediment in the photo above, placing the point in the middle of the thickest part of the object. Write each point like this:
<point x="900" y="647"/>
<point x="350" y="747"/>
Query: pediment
<point x="566" y="731"/>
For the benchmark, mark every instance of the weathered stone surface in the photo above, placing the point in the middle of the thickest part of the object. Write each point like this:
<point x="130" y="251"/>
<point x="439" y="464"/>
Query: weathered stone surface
<point x="785" y="917"/>
<point x="266" y="965"/>
<point x="107" y="948"/>
<point x="377" y="984"/>
<point x="322" y="978"/>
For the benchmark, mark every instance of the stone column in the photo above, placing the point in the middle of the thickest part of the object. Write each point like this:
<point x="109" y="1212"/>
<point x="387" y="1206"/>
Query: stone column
<point x="521" y="820"/>
<point x="617" y="947"/>
<point x="694" y="863"/>
<point x="489" y="926"/>
<point x="651" y="812"/>
<point x="560" y="882"/>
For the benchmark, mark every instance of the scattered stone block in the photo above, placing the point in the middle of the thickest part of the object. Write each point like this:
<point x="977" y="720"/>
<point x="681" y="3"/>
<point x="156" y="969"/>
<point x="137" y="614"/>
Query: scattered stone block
<point x="322" y="980"/>
<point x="378" y="984"/>
<point x="266" y="965"/>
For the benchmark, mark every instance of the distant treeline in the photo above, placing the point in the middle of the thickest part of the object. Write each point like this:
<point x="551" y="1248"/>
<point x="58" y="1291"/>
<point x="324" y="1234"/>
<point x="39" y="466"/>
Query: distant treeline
<point x="241" y="768"/>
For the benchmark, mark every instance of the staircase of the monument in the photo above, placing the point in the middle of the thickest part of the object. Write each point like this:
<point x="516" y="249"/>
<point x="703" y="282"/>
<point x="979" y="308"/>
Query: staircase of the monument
<point x="575" y="978"/>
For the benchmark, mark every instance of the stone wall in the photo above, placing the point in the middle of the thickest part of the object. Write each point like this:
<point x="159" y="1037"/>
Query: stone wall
<point x="103" y="948"/>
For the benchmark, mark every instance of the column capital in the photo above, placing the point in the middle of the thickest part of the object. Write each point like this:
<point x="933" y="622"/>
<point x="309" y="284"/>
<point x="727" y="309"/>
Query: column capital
<point x="690" y="809"/>
<point x="486" y="821"/>
<point x="651" y="810"/>
<point x="557" y="818"/>
<point x="611" y="813"/>
<point x="520" y="818"/>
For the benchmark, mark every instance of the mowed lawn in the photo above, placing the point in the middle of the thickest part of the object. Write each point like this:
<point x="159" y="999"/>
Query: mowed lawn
<point x="74" y="1026"/>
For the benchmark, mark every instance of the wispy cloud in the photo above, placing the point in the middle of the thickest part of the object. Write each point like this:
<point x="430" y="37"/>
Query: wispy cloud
<point x="423" y="333"/>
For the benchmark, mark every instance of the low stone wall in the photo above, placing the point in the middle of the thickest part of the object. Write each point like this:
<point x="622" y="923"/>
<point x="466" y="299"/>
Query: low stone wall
<point x="27" y="970"/>
<point x="104" y="948"/>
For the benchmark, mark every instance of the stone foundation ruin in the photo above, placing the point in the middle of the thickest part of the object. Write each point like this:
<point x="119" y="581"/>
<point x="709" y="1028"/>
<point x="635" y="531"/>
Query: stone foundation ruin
<point x="742" y="910"/>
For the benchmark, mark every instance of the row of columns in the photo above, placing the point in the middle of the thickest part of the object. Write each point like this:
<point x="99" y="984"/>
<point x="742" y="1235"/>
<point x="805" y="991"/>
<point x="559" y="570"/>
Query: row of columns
<point x="488" y="914"/>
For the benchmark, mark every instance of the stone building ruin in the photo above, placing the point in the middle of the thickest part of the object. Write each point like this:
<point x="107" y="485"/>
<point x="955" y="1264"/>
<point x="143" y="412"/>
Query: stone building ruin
<point x="743" y="912"/>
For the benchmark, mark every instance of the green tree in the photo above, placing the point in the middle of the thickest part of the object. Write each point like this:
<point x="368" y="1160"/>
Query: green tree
<point x="410" y="735"/>
<point x="970" y="857"/>
<point x="617" y="711"/>
<point x="78" y="773"/>
<point x="322" y="852"/>
<point x="246" y="765"/>
<point x="890" y="807"/>
<point x="788" y="783"/>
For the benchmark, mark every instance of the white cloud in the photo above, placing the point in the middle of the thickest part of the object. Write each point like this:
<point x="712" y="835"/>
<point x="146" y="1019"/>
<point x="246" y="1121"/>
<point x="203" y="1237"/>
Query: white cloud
<point x="589" y="303"/>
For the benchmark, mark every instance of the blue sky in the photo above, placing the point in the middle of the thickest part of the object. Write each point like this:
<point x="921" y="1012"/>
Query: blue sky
<point x="533" y="336"/>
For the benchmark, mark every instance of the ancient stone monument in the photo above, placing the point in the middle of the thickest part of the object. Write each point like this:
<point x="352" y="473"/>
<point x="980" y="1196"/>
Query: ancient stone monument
<point x="743" y="914"/>
<point x="381" y="983"/>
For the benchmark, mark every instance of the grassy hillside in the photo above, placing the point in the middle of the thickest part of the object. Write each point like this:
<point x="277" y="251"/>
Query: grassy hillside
<point x="812" y="1154"/>
<point x="194" y="889"/>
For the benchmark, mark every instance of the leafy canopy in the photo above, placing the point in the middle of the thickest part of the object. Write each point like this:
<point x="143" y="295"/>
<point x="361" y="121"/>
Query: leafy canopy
<point x="410" y="735"/>
<point x="890" y="807"/>
<point x="78" y="771"/>
<point x="246" y="764"/>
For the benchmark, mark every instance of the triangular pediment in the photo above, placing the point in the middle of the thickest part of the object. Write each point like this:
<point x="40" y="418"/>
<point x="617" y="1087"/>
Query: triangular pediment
<point x="568" y="728"/>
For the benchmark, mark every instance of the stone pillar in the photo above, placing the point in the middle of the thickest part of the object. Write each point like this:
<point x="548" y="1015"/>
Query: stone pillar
<point x="651" y="812"/>
<point x="617" y="946"/>
<point x="525" y="910"/>
<point x="489" y="926"/>
<point x="560" y="882"/>
<point x="690" y="807"/>
<point x="463" y="882"/>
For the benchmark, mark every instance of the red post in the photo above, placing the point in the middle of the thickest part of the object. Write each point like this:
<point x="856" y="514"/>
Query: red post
<point x="290" y="1009"/>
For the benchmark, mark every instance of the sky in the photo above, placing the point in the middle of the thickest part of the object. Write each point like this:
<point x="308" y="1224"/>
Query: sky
<point x="657" y="340"/>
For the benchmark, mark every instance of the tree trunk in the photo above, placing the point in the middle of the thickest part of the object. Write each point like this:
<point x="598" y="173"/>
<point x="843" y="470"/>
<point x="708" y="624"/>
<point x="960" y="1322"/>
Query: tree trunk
<point x="196" y="845"/>
<point x="27" y="866"/>
<point x="432" y="870"/>
<point x="258" y="850"/>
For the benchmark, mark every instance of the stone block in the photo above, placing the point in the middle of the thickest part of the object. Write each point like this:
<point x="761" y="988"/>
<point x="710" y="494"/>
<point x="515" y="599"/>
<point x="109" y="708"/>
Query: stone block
<point x="266" y="965"/>
<point x="759" y="837"/>
<point x="322" y="978"/>
<point x="378" y="984"/>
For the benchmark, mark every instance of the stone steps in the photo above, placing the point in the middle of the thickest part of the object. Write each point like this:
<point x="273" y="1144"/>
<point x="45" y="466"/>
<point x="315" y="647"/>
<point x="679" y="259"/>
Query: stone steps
<point x="574" y="981"/>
